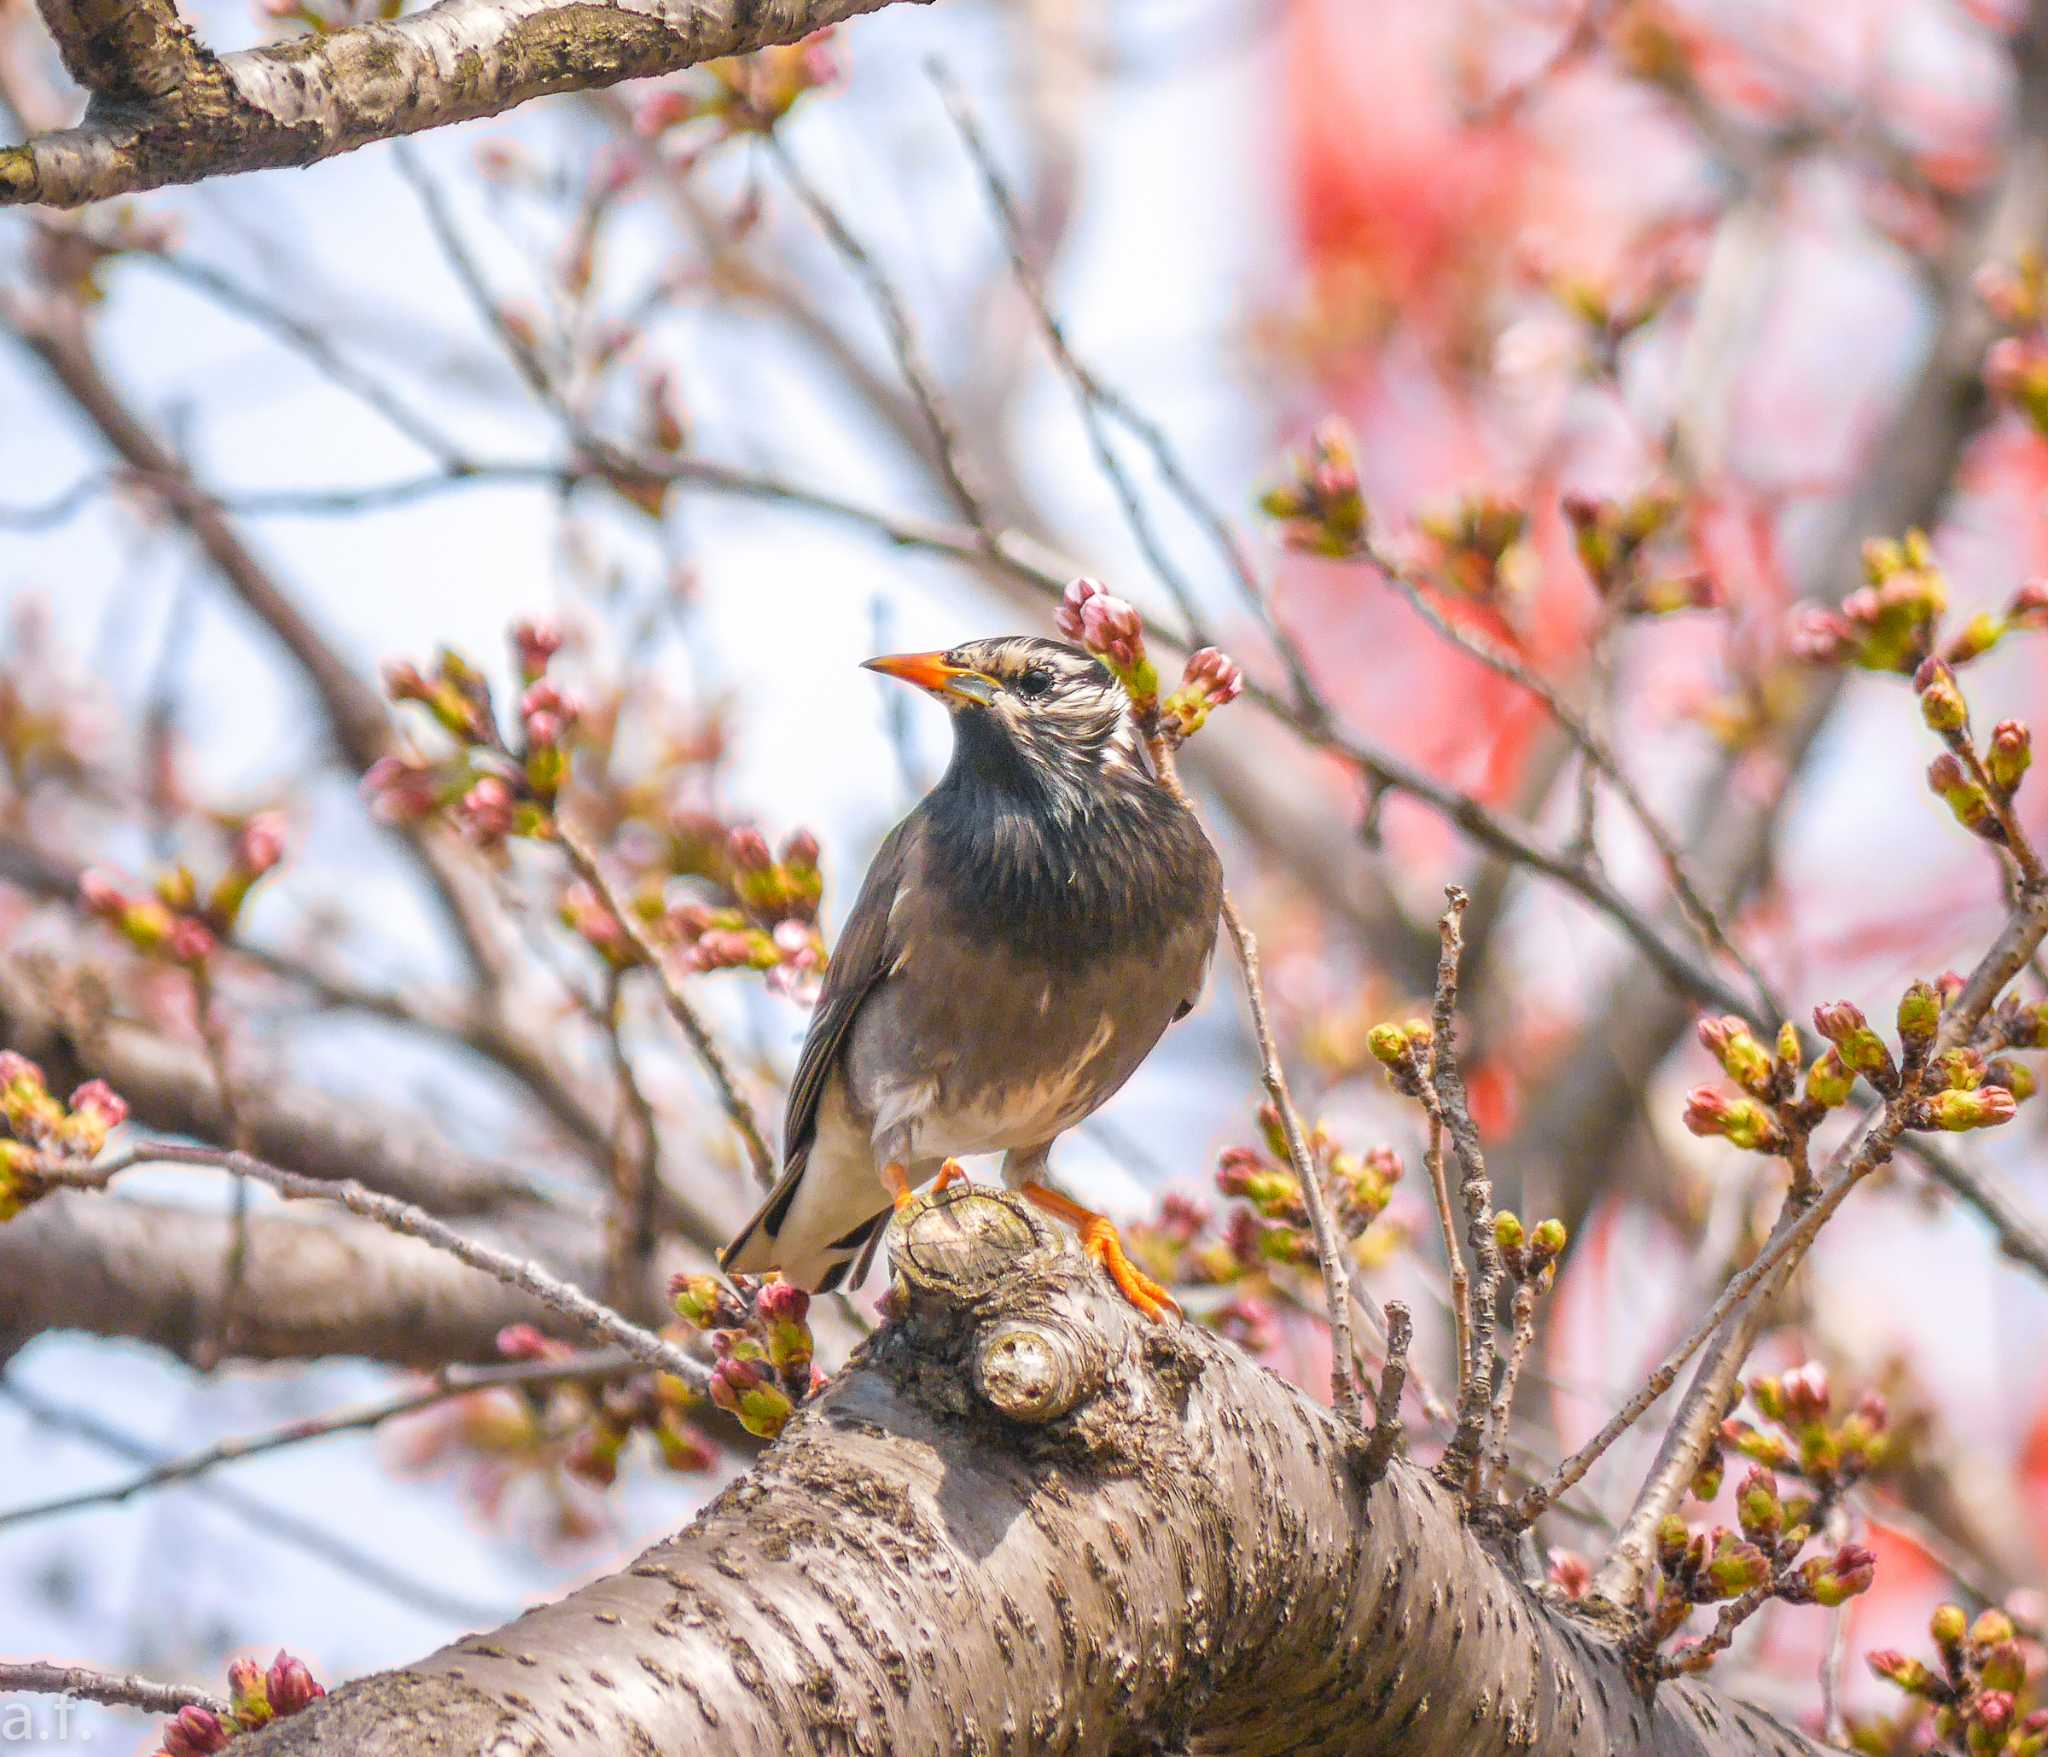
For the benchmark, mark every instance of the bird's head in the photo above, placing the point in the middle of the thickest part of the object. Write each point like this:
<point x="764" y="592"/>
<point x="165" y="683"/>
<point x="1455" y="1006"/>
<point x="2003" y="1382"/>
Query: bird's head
<point x="1029" y="711"/>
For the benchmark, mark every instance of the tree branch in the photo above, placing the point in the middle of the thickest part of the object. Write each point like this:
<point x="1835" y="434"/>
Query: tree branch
<point x="118" y="1689"/>
<point x="1020" y="1518"/>
<point x="297" y="102"/>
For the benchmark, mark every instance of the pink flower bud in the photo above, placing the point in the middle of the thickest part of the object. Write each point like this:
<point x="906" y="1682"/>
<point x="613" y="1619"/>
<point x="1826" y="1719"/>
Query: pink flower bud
<point x="1112" y="628"/>
<point x="194" y="1732"/>
<point x="525" y="1342"/>
<point x="801" y="849"/>
<point x="2029" y="606"/>
<point x="534" y="643"/>
<point x="190" y="941"/>
<point x="290" y="1685"/>
<point x="1820" y="637"/>
<point x="403" y="682"/>
<point x="1805" y="1390"/>
<point x="17" y="1070"/>
<point x="260" y="846"/>
<point x="1570" y="1573"/>
<point x="487" y="809"/>
<point x="1217" y="674"/>
<point x="1067" y="617"/>
<point x="782" y="1302"/>
<point x="98" y="894"/>
<point x="748" y="850"/>
<point x="100" y="1101"/>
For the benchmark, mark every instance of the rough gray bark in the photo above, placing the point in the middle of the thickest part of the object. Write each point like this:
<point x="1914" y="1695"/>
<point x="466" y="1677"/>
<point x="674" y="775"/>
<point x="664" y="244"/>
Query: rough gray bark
<point x="166" y="110"/>
<point x="1023" y="1520"/>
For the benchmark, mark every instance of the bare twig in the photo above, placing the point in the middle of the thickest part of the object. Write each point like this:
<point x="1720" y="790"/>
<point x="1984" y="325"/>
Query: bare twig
<point x="1596" y="751"/>
<point x="116" y="1689"/>
<point x="731" y="1100"/>
<point x="445" y="1383"/>
<point x="1462" y="1458"/>
<point x="1447" y="1226"/>
<point x="1385" y="1438"/>
<point x="528" y="1277"/>
<point x="1330" y="1257"/>
<point x="903" y="339"/>
<point x="1524" y="1314"/>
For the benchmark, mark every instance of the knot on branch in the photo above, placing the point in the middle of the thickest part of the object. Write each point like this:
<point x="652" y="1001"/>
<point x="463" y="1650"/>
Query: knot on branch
<point x="956" y="1247"/>
<point x="1035" y="1370"/>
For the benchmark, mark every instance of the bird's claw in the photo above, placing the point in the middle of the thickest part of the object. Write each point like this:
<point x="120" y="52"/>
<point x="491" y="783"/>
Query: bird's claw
<point x="952" y="1172"/>
<point x="1100" y="1240"/>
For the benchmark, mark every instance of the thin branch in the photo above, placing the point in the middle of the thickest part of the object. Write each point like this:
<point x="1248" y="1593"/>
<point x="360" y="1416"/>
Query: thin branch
<point x="443" y="1384"/>
<point x="903" y="339"/>
<point x="528" y="1277"/>
<point x="1596" y="751"/>
<point x="1385" y="1438"/>
<point x="1462" y="1458"/>
<point x="1447" y="1227"/>
<point x="1330" y="1258"/>
<point x="731" y="1100"/>
<point x="38" y="1677"/>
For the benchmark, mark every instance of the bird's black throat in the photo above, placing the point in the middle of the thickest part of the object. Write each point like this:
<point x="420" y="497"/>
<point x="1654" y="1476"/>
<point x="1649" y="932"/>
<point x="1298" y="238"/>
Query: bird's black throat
<point x="1056" y="853"/>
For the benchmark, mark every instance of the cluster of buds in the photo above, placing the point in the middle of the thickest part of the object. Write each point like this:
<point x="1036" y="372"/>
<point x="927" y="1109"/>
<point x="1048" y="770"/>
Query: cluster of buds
<point x="761" y="1340"/>
<point x="257" y="1695"/>
<point x="1616" y="539"/>
<point x="1210" y="680"/>
<point x="1360" y="1185"/>
<point x="1405" y="1051"/>
<point x="1478" y="545"/>
<point x="1976" y="789"/>
<point x="41" y="1132"/>
<point x="1808" y="1436"/>
<point x="179" y="920"/>
<point x="740" y="95"/>
<point x="1977" y="1692"/>
<point x="1742" y="1571"/>
<point x="1319" y="504"/>
<point x="491" y="787"/>
<point x="1530" y="1252"/>
<point x="1092" y="616"/>
<point x="771" y="924"/>
<point x="2016" y="365"/>
<point x="1891" y="623"/>
<point x="587" y="1428"/>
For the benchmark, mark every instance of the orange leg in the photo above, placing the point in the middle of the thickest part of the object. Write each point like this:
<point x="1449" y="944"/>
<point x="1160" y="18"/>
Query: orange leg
<point x="1099" y="1239"/>
<point x="898" y="1182"/>
<point x="949" y="1173"/>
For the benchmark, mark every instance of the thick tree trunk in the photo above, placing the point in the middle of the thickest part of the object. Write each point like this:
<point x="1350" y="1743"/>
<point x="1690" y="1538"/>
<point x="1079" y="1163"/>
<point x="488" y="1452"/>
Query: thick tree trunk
<point x="1024" y="1521"/>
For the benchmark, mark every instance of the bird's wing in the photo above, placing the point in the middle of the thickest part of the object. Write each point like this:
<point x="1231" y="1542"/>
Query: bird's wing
<point x="859" y="961"/>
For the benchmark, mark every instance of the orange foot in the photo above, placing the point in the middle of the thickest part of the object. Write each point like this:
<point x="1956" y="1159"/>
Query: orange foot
<point x="949" y="1173"/>
<point x="898" y="1182"/>
<point x="1099" y="1239"/>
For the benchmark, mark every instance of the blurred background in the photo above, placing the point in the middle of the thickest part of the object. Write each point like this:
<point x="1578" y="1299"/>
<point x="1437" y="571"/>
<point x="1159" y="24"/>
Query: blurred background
<point x="1731" y="256"/>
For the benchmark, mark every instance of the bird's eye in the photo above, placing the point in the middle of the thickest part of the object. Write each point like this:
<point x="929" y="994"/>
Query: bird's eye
<point x="1034" y="683"/>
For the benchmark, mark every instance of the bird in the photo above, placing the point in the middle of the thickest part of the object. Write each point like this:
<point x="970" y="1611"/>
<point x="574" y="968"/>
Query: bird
<point x="1021" y="941"/>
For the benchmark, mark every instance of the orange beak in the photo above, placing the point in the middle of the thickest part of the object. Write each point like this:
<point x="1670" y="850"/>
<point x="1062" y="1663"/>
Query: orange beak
<point x="932" y="672"/>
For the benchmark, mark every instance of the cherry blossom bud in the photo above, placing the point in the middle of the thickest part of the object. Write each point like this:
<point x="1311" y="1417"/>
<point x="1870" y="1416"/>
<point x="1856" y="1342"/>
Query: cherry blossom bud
<point x="1941" y="698"/>
<point x="1977" y="637"/>
<point x="1741" y="1121"/>
<point x="404" y="682"/>
<point x="801" y="850"/>
<point x="1992" y="1710"/>
<point x="1820" y="637"/>
<point x="1570" y="1573"/>
<point x="1859" y="1047"/>
<point x="2029" y="606"/>
<point x="1741" y="1056"/>
<point x="1991" y="1627"/>
<point x="1757" y="1506"/>
<point x="741" y="1387"/>
<point x="2016" y="1077"/>
<point x="1833" y="1580"/>
<point x="1948" y="1625"/>
<point x="190" y="941"/>
<point x="98" y="894"/>
<point x="1968" y="801"/>
<point x="1066" y="617"/>
<point x="1919" y="1016"/>
<point x="1897" y="1668"/>
<point x="534" y="643"/>
<point x="2010" y="752"/>
<point x="98" y="1099"/>
<point x="1803" y="1393"/>
<point x="748" y="850"/>
<point x="260" y="846"/>
<point x="782" y="1302"/>
<point x="1736" y="1566"/>
<point x="289" y="1685"/>
<point x="194" y="1732"/>
<point x="2004" y="1667"/>
<point x="526" y="1342"/>
<point x="1984" y="1108"/>
<point x="487" y="810"/>
<point x="699" y="1300"/>
<point x="1389" y="1044"/>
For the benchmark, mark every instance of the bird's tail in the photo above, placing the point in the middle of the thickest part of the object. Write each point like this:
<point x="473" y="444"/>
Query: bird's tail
<point x="814" y="1239"/>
